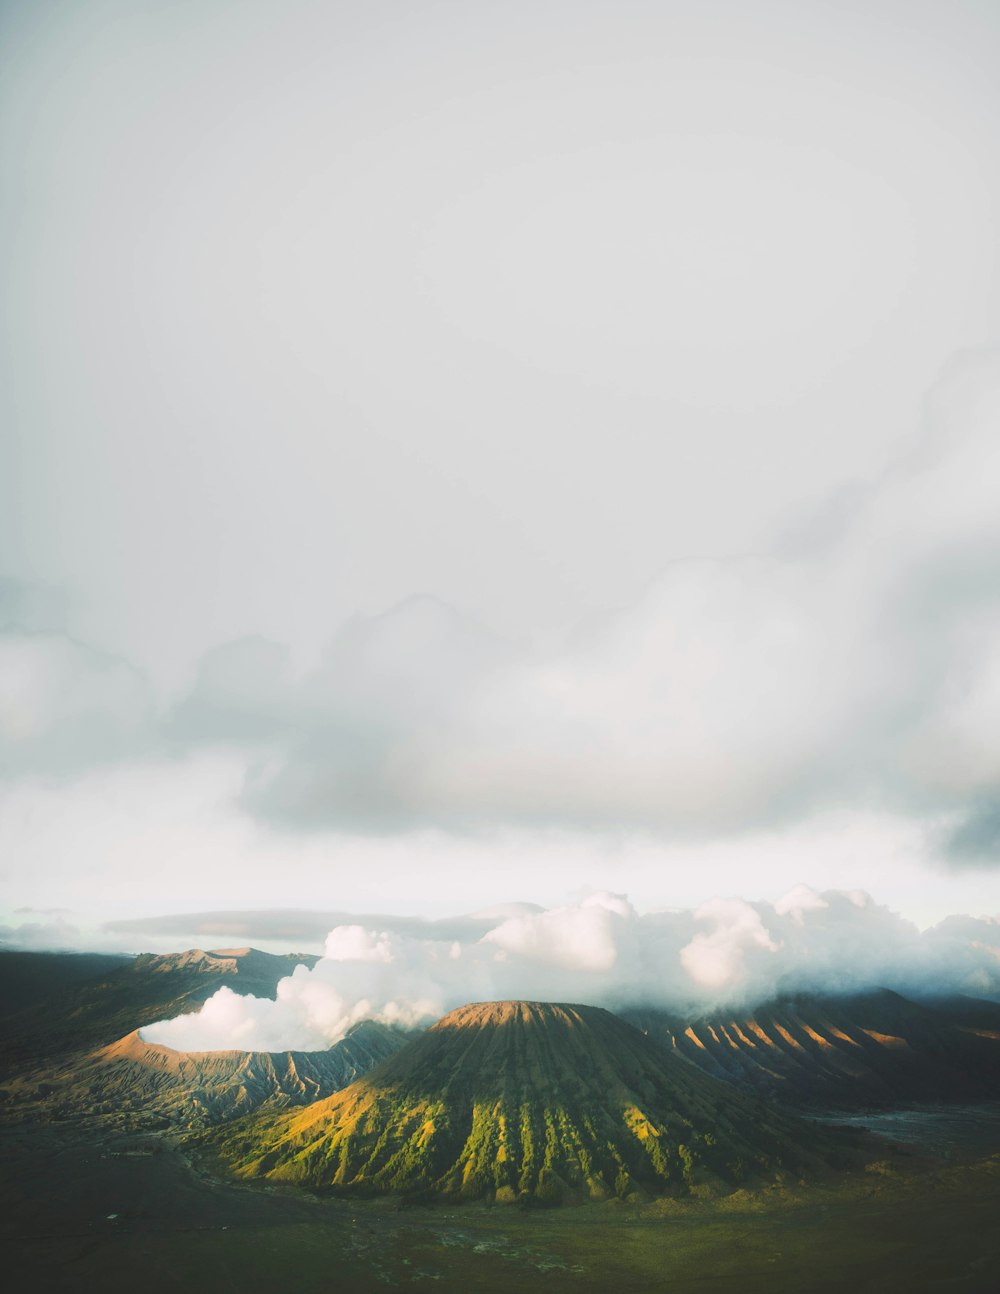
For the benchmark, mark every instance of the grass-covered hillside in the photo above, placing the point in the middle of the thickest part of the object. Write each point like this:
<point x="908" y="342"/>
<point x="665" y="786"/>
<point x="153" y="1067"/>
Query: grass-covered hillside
<point x="530" y="1101"/>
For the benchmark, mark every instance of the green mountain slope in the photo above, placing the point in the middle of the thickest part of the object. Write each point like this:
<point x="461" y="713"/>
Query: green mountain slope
<point x="531" y="1100"/>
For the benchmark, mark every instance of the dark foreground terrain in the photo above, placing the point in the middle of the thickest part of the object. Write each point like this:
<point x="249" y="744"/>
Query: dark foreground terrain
<point x="79" y="1211"/>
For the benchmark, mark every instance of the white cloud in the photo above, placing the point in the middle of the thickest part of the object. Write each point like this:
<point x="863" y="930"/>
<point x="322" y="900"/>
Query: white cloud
<point x="602" y="951"/>
<point x="856" y="670"/>
<point x="65" y="706"/>
<point x="716" y="960"/>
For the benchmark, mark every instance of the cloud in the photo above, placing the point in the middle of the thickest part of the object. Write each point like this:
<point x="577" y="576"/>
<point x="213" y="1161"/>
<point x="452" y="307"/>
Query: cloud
<point x="53" y="935"/>
<point x="31" y="608"/>
<point x="854" y="667"/>
<point x="975" y="839"/>
<point x="240" y="694"/>
<point x="714" y="959"/>
<point x="289" y="924"/>
<point x="602" y="951"/>
<point x="66" y="706"/>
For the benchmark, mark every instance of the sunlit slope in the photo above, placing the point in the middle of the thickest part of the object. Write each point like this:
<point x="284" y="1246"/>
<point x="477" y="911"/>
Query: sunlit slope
<point x="868" y="1049"/>
<point x="533" y="1100"/>
<point x="205" y="1087"/>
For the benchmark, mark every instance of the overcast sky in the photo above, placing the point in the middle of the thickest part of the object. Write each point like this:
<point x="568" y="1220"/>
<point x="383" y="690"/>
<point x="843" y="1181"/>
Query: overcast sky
<point x="464" y="452"/>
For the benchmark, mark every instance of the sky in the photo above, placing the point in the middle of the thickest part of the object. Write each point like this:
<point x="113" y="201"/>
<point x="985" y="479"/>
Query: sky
<point x="455" y="454"/>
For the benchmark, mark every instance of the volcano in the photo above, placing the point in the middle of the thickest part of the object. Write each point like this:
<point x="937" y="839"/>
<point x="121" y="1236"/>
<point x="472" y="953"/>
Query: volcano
<point x="142" y="1082"/>
<point x="529" y="1100"/>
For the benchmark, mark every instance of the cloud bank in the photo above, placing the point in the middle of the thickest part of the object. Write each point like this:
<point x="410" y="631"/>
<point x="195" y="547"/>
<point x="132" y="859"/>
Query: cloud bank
<point x="854" y="666"/>
<point x="601" y="951"/>
<point x="65" y="706"/>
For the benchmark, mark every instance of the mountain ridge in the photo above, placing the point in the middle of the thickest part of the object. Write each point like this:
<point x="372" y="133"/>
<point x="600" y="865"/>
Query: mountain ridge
<point x="875" y="1048"/>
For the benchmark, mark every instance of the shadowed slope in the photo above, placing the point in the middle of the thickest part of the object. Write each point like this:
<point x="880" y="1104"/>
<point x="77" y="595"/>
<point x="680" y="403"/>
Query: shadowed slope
<point x="66" y="1015"/>
<point x="527" y="1099"/>
<point x="869" y="1049"/>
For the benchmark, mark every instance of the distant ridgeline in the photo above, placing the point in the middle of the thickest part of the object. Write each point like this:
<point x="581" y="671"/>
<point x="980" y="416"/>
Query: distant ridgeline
<point x="55" y="1003"/>
<point x="871" y="1049"/>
